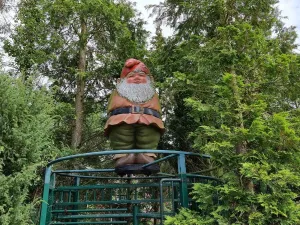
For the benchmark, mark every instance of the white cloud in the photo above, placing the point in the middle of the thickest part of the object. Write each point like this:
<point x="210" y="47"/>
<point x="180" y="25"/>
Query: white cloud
<point x="291" y="10"/>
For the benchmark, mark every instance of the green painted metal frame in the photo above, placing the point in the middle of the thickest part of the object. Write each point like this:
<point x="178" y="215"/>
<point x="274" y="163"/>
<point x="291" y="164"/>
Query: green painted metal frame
<point x="135" y="151"/>
<point x="161" y="194"/>
<point x="181" y="178"/>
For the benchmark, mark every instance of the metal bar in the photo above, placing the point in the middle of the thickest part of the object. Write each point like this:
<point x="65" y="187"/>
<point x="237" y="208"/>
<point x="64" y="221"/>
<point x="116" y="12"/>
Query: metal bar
<point x="181" y="164"/>
<point x="135" y="215"/>
<point x="166" y="174"/>
<point x="86" y="195"/>
<point x="89" y="210"/>
<point x="161" y="201"/>
<point x="76" y="197"/>
<point x="118" y="178"/>
<point x="108" y="186"/>
<point x="69" y="196"/>
<point x="136" y="193"/>
<point x="173" y="197"/>
<point x="159" y="160"/>
<point x="61" y="196"/>
<point x="153" y="215"/>
<point x="109" y="202"/>
<point x="176" y="202"/>
<point x="102" y="194"/>
<point x="44" y="209"/>
<point x="96" y="216"/>
<point x="78" y="223"/>
<point x="84" y="171"/>
<point x="52" y="180"/>
<point x="51" y="197"/>
<point x="125" y="152"/>
<point x="183" y="184"/>
<point x="77" y="183"/>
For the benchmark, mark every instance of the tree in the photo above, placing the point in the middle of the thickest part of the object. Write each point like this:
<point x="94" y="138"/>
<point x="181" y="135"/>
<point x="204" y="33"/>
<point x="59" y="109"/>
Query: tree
<point x="75" y="43"/>
<point x="239" y="77"/>
<point x="26" y="145"/>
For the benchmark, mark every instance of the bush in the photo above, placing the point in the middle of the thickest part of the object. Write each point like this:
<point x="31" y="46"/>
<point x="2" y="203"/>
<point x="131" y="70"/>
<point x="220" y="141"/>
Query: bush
<point x="26" y="129"/>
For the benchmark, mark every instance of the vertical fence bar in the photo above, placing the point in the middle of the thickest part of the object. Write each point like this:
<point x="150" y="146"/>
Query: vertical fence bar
<point x="76" y="197"/>
<point x="173" y="197"/>
<point x="161" y="200"/>
<point x="86" y="195"/>
<point x="183" y="184"/>
<point x="69" y="196"/>
<point x="76" y="193"/>
<point x="135" y="214"/>
<point x="176" y="197"/>
<point x="61" y="195"/>
<point x="44" y="209"/>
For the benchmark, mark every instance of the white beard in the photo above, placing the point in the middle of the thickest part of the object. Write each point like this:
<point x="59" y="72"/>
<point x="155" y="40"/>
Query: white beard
<point x="136" y="93"/>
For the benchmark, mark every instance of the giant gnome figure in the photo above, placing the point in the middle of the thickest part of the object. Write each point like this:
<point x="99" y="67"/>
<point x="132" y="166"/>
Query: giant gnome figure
<point x="134" y="118"/>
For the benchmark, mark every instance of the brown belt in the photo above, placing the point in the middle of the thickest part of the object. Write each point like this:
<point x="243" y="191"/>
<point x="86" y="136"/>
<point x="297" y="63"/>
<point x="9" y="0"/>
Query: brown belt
<point x="135" y="110"/>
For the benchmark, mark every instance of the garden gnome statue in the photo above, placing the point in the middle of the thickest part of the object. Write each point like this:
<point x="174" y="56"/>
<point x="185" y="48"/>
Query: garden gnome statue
<point x="134" y="118"/>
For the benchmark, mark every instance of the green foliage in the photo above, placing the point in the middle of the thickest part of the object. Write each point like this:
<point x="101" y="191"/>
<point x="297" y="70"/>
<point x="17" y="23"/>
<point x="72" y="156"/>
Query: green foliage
<point x="51" y="37"/>
<point x="238" y="84"/>
<point x="186" y="217"/>
<point x="271" y="164"/>
<point x="26" y="132"/>
<point x="228" y="81"/>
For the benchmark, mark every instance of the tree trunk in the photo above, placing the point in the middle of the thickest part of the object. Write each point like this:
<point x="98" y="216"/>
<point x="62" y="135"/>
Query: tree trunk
<point x="80" y="85"/>
<point x="240" y="147"/>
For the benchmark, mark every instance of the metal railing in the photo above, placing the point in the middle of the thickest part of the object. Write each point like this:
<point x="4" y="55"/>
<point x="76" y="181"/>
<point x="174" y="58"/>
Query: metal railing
<point x="99" y="196"/>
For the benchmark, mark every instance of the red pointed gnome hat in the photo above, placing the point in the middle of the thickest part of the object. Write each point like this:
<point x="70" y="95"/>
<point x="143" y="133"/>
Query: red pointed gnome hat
<point x="134" y="65"/>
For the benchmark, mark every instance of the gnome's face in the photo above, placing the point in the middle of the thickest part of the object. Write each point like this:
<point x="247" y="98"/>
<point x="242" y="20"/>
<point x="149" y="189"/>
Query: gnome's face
<point x="135" y="84"/>
<point x="137" y="88"/>
<point x="136" y="78"/>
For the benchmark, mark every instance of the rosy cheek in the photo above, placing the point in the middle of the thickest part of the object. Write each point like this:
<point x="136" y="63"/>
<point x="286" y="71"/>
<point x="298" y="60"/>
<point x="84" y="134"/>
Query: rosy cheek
<point x="143" y="81"/>
<point x="130" y="80"/>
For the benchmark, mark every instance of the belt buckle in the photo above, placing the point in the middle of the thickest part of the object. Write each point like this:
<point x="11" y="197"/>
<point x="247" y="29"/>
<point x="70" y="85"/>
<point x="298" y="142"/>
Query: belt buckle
<point x="136" y="109"/>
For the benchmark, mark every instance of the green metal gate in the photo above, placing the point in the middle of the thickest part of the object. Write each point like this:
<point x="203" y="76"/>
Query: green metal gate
<point x="99" y="196"/>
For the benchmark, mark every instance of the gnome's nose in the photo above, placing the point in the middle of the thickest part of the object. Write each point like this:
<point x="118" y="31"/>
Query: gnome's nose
<point x="136" y="79"/>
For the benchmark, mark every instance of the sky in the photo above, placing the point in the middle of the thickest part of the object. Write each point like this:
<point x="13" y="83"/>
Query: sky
<point x="289" y="9"/>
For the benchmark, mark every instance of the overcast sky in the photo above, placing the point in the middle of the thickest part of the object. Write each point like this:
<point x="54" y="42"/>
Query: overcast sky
<point x="289" y="8"/>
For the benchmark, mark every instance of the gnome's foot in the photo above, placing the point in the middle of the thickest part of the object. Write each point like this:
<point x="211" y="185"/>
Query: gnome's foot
<point x="128" y="159"/>
<point x="137" y="169"/>
<point x="143" y="159"/>
<point x="133" y="164"/>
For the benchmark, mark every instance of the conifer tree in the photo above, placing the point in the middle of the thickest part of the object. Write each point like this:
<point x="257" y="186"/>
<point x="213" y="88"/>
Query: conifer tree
<point x="27" y="123"/>
<point x="235" y="62"/>
<point x="80" y="46"/>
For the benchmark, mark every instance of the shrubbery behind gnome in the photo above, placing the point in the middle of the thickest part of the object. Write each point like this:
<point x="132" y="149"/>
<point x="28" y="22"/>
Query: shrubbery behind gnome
<point x="134" y="115"/>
